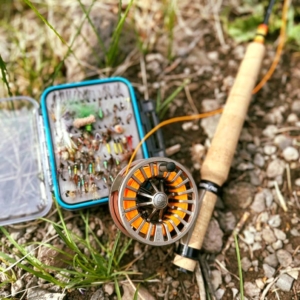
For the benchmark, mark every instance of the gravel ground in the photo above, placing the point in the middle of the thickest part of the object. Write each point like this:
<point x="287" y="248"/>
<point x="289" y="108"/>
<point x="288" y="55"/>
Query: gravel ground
<point x="260" y="197"/>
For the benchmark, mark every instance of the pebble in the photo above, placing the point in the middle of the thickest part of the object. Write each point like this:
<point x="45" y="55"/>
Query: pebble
<point x="255" y="177"/>
<point x="282" y="141"/>
<point x="259" y="160"/>
<point x="297" y="182"/>
<point x="213" y="240"/>
<point x="275" y="168"/>
<point x="277" y="245"/>
<point x="219" y="294"/>
<point x="285" y="282"/>
<point x="258" y="204"/>
<point x="213" y="55"/>
<point x="210" y="124"/>
<point x="270" y="131"/>
<point x="187" y="126"/>
<point x="187" y="284"/>
<point x="268" y="197"/>
<point x="209" y="104"/>
<point x="268" y="236"/>
<point x="296" y="106"/>
<point x="246" y="264"/>
<point x="17" y="286"/>
<point x="216" y="279"/>
<point x="269" y="271"/>
<point x="251" y="289"/>
<point x="284" y="258"/>
<point x="238" y="194"/>
<point x="295" y="232"/>
<point x="290" y="153"/>
<point x="292" y="118"/>
<point x="260" y="283"/>
<point x="173" y="149"/>
<point x="98" y="295"/>
<point x="227" y="278"/>
<point x="270" y="149"/>
<point x="227" y="221"/>
<point x="249" y="237"/>
<point x="175" y="284"/>
<point x="109" y="288"/>
<point x="274" y="221"/>
<point x="271" y="260"/>
<point x="279" y="234"/>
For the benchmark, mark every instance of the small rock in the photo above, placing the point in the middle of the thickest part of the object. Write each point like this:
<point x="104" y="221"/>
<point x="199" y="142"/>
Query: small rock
<point x="227" y="221"/>
<point x="269" y="149"/>
<point x="269" y="271"/>
<point x="268" y="197"/>
<point x="227" y="278"/>
<point x="290" y="154"/>
<point x="210" y="124"/>
<point x="248" y="237"/>
<point x="292" y="118"/>
<point x="137" y="251"/>
<point x="256" y="246"/>
<point x="216" y="279"/>
<point x="296" y="106"/>
<point x="16" y="287"/>
<point x="108" y="288"/>
<point x="284" y="258"/>
<point x="209" y="104"/>
<point x="175" y="284"/>
<point x="259" y="160"/>
<point x="293" y="273"/>
<point x="213" y="55"/>
<point x="271" y="260"/>
<point x="279" y="234"/>
<point x="213" y="240"/>
<point x="295" y="232"/>
<point x="238" y="194"/>
<point x="245" y="135"/>
<point x="187" y="126"/>
<point x="275" y="221"/>
<point x="16" y="235"/>
<point x="219" y="294"/>
<point x="129" y="293"/>
<point x="283" y="141"/>
<point x="197" y="152"/>
<point x="187" y="284"/>
<point x="251" y="289"/>
<point x="270" y="131"/>
<point x="173" y="149"/>
<point x="268" y="236"/>
<point x="246" y="263"/>
<point x="260" y="283"/>
<point x="245" y="166"/>
<point x="98" y="295"/>
<point x="297" y="182"/>
<point x="256" y="177"/>
<point x="258" y="204"/>
<point x="285" y="282"/>
<point x="277" y="245"/>
<point x="275" y="168"/>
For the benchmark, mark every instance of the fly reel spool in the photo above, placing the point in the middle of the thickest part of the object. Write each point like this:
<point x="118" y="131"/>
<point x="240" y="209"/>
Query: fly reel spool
<point x="156" y="202"/>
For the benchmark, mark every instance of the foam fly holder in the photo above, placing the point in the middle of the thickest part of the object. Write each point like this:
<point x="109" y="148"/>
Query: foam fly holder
<point x="74" y="144"/>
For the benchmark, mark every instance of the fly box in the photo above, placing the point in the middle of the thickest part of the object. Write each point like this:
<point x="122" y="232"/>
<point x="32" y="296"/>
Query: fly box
<point x="74" y="143"/>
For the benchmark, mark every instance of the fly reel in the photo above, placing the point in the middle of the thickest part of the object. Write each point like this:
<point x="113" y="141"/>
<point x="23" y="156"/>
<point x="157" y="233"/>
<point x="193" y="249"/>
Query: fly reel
<point x="156" y="202"/>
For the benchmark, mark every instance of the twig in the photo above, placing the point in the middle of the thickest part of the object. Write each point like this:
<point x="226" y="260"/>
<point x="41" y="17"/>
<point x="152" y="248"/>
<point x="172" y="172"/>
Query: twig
<point x="288" y="176"/>
<point x="266" y="290"/>
<point x="236" y="230"/>
<point x="280" y="197"/>
<point x="144" y="77"/>
<point x="190" y="99"/>
<point x="133" y="286"/>
<point x="200" y="282"/>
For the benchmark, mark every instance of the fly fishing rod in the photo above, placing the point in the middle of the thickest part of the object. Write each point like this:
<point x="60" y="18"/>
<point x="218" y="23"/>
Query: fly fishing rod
<point x="216" y="165"/>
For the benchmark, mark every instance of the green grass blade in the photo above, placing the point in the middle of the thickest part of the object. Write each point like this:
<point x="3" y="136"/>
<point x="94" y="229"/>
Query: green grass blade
<point x="124" y="249"/>
<point x="117" y="288"/>
<point x="164" y="106"/>
<point x="136" y="294"/>
<point x="237" y="249"/>
<point x="3" y="73"/>
<point x="112" y="255"/>
<point x="100" y="41"/>
<point x="113" y="49"/>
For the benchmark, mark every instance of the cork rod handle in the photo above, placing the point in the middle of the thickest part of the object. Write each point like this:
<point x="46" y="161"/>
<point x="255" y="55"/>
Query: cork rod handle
<point x="219" y="157"/>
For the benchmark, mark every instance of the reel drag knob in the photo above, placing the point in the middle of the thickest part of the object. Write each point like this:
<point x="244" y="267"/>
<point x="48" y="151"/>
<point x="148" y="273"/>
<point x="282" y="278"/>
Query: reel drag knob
<point x="156" y="202"/>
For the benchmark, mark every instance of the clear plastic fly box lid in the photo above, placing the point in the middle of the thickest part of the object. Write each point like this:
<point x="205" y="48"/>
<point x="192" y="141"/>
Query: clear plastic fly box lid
<point x="24" y="192"/>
